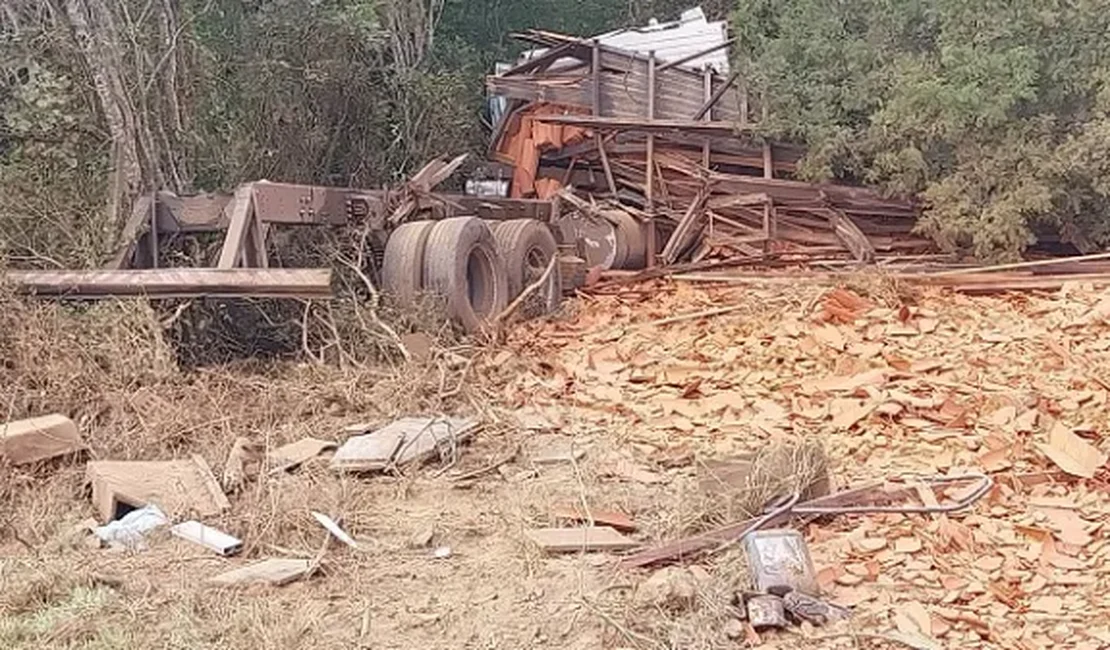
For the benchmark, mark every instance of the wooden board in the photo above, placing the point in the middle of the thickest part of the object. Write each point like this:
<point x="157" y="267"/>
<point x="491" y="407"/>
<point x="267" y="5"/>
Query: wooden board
<point x="400" y="442"/>
<point x="295" y="453"/>
<point x="275" y="571"/>
<point x="574" y="540"/>
<point x="39" y="438"/>
<point x="576" y="513"/>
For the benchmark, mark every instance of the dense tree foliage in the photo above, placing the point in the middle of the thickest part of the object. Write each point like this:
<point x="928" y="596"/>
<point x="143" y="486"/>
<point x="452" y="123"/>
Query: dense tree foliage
<point x="103" y="99"/>
<point x="994" y="111"/>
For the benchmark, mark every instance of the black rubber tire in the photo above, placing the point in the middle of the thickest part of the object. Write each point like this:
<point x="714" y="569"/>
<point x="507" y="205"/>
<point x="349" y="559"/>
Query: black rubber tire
<point x="462" y="266"/>
<point x="527" y="246"/>
<point x="403" y="262"/>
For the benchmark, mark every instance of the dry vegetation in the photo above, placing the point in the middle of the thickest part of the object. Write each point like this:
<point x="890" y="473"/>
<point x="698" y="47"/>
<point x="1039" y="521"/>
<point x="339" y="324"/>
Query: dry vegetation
<point x="650" y="403"/>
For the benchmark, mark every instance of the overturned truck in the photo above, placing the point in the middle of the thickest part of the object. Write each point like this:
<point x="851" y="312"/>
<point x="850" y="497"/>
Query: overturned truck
<point x="474" y="253"/>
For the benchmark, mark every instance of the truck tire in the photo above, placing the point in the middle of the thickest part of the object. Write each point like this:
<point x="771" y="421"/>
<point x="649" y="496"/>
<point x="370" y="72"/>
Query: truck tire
<point x="403" y="261"/>
<point x="527" y="246"/>
<point x="461" y="265"/>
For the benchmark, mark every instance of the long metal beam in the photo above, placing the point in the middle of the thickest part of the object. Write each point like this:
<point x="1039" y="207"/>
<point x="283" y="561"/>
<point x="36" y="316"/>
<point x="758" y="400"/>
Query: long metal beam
<point x="173" y="283"/>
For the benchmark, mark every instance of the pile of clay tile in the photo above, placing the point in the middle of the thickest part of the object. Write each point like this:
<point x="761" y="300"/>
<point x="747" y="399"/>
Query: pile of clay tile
<point x="928" y="382"/>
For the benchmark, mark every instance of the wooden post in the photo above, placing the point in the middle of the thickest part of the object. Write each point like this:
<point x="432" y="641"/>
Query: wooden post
<point x="595" y="72"/>
<point x="650" y="238"/>
<point x="768" y="159"/>
<point x="707" y="92"/>
<point x="154" y="230"/>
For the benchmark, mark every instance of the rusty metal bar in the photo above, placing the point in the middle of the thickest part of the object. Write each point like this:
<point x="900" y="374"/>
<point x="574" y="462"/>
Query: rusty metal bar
<point x="697" y="55"/>
<point x="174" y="283"/>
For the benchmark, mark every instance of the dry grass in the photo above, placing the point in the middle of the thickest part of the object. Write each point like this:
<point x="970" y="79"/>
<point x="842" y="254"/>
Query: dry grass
<point x="112" y="367"/>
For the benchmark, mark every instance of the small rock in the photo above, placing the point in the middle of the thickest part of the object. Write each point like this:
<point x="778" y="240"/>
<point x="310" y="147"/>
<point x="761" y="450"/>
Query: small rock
<point x="442" y="552"/>
<point x="671" y="588"/>
<point x="422" y="538"/>
<point x="734" y="629"/>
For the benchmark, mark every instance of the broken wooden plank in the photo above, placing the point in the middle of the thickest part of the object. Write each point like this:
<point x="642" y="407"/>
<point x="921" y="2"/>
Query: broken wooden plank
<point x="641" y="124"/>
<point x="573" y="540"/>
<point x="174" y="283"/>
<point x="576" y="513"/>
<point x="178" y="487"/>
<point x="39" y="438"/>
<point x="401" y="442"/>
<point x="275" y="572"/>
<point x="293" y="454"/>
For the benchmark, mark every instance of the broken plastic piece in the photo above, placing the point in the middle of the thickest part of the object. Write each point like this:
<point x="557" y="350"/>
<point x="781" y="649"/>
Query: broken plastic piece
<point x="208" y="537"/>
<point x="130" y="530"/>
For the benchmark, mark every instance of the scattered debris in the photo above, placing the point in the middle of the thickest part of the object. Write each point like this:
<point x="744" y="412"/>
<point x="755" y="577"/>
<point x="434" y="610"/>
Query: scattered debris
<point x="780" y="559"/>
<point x="573" y="540"/>
<point x="765" y="610"/>
<point x="274" y="571"/>
<point x="670" y="588"/>
<point x="179" y="487"/>
<point x="578" y="514"/>
<point x="803" y="607"/>
<point x="1071" y="453"/>
<point x="333" y="528"/>
<point x="208" y="537"/>
<point x="423" y="537"/>
<point x="881" y="497"/>
<point x="39" y="438"/>
<point x="558" y="454"/>
<point x="402" y="442"/>
<point x="130" y="530"/>
<point x="294" y="454"/>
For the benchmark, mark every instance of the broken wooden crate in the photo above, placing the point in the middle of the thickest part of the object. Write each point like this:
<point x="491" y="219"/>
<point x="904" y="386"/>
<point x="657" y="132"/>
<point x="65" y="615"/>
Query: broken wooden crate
<point x="178" y="487"/>
<point x="401" y="442"/>
<point x="39" y="438"/>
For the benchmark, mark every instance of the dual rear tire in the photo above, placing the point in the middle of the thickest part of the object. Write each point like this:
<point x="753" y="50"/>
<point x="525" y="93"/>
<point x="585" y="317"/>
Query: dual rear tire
<point x="474" y="269"/>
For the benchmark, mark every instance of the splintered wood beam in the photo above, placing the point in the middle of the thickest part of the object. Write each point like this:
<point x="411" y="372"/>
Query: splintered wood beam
<point x="604" y="165"/>
<point x="541" y="62"/>
<point x="174" y="283"/>
<point x="707" y="92"/>
<point x="240" y="220"/>
<point x="716" y="97"/>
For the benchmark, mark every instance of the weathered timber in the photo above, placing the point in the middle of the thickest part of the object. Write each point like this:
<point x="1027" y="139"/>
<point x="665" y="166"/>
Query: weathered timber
<point x="174" y="283"/>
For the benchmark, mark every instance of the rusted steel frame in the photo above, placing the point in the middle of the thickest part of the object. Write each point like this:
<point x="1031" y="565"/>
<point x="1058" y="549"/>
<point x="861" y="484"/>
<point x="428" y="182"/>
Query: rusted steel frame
<point x="874" y="498"/>
<point x="174" y="283"/>
<point x="696" y="55"/>
<point x="716" y="97"/>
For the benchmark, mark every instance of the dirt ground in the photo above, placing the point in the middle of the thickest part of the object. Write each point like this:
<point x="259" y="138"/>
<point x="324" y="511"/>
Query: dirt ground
<point x="886" y="379"/>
